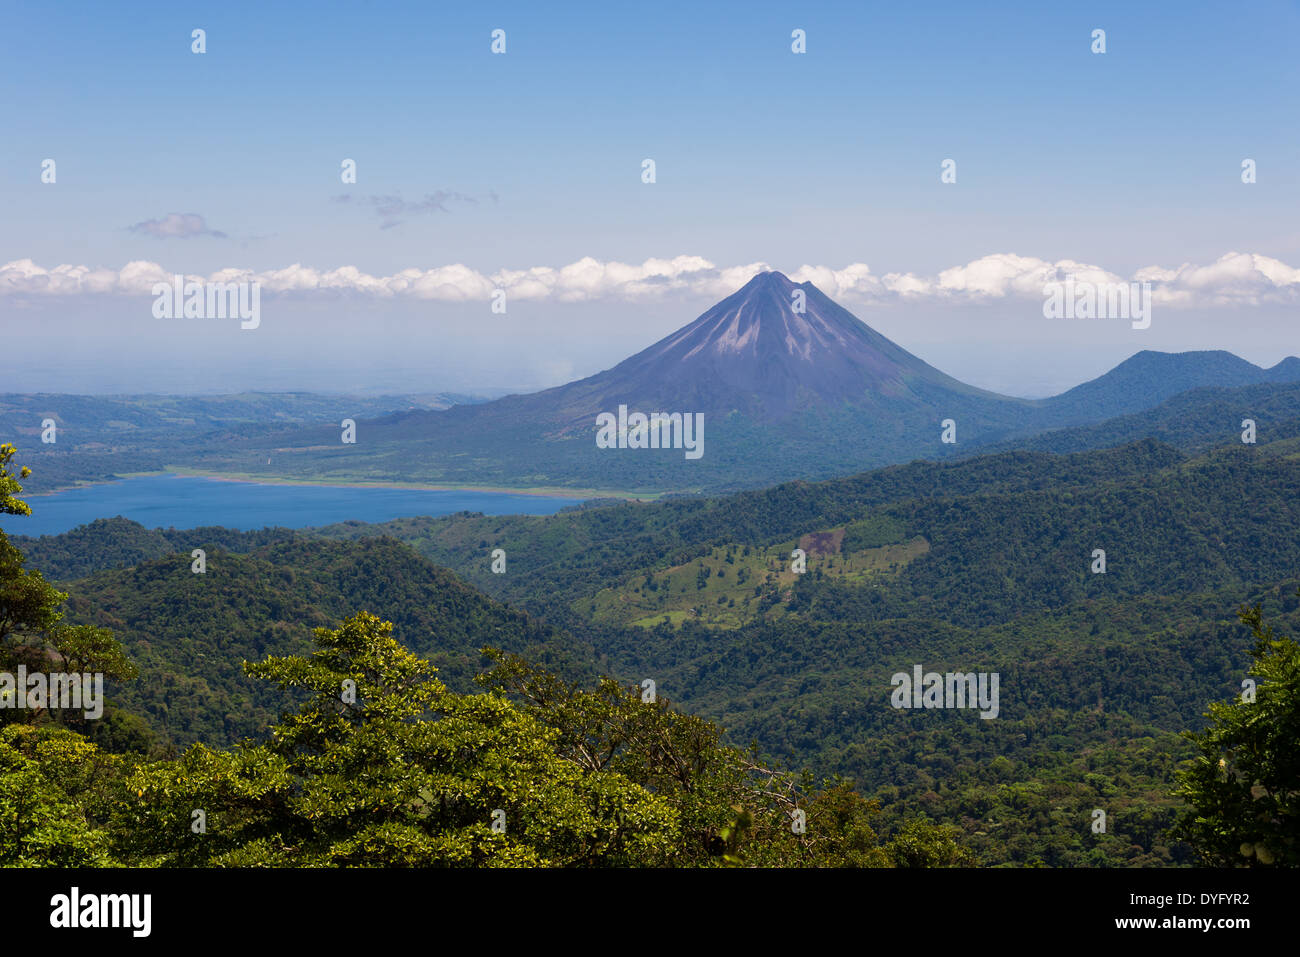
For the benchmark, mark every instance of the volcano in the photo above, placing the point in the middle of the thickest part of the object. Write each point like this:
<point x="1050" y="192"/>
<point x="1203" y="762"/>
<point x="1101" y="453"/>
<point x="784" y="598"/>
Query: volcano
<point x="771" y="350"/>
<point x="775" y="357"/>
<point x="788" y="384"/>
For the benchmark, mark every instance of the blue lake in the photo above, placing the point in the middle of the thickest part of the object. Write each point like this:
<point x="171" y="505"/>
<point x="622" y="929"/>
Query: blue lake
<point x="162" y="501"/>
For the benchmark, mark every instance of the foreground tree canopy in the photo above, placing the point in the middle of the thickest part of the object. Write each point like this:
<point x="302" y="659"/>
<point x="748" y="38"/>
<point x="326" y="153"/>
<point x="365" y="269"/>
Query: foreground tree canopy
<point x="383" y="766"/>
<point x="1243" y="789"/>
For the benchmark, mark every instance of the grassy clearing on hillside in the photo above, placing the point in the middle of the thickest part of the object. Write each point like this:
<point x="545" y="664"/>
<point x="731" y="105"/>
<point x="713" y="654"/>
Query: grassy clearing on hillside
<point x="735" y="584"/>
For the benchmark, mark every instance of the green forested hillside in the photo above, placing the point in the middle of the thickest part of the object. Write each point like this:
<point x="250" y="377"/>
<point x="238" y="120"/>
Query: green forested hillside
<point x="1005" y="533"/>
<point x="576" y="552"/>
<point x="984" y="565"/>
<point x="189" y="633"/>
<point x="376" y="761"/>
<point x="119" y="542"/>
<point x="1191" y="421"/>
<point x="1102" y="687"/>
<point x="1100" y="671"/>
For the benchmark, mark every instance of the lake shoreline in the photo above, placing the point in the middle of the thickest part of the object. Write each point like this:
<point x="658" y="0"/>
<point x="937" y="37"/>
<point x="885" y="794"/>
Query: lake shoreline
<point x="536" y="492"/>
<point x="247" y="479"/>
<point x="178" y="500"/>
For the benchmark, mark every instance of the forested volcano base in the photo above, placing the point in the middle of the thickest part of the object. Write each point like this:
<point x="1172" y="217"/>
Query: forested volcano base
<point x="320" y="698"/>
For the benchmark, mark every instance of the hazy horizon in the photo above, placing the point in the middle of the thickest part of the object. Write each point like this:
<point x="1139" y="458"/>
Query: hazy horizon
<point x="381" y="205"/>
<point x="1022" y="369"/>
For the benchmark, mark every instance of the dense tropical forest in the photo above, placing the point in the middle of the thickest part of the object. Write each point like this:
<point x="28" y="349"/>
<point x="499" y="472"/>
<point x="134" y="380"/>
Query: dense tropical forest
<point x="657" y="685"/>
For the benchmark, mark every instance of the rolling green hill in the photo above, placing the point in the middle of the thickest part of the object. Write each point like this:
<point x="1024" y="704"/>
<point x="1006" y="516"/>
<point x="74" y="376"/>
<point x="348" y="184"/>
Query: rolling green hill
<point x="1099" y="671"/>
<point x="188" y="633"/>
<point x="1192" y="421"/>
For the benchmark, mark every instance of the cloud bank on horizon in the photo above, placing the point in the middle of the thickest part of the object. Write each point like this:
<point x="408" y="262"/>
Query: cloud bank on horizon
<point x="1234" y="279"/>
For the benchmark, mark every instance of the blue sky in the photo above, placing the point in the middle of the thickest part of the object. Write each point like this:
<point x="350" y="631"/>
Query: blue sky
<point x="1125" y="160"/>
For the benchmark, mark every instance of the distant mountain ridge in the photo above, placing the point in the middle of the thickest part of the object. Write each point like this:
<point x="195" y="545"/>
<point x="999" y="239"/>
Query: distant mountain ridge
<point x="1192" y="421"/>
<point x="758" y="355"/>
<point x="791" y="386"/>
<point x="1148" y="378"/>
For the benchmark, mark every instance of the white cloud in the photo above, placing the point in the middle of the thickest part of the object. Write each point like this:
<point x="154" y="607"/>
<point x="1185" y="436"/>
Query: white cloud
<point x="1233" y="279"/>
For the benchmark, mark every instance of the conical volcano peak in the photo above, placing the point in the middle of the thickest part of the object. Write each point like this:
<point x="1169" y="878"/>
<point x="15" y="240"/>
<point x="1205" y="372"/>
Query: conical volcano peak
<point x="773" y="351"/>
<point x="771" y="314"/>
<point x="768" y="279"/>
<point x="768" y="284"/>
<point x="769" y="317"/>
<point x="770" y="347"/>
